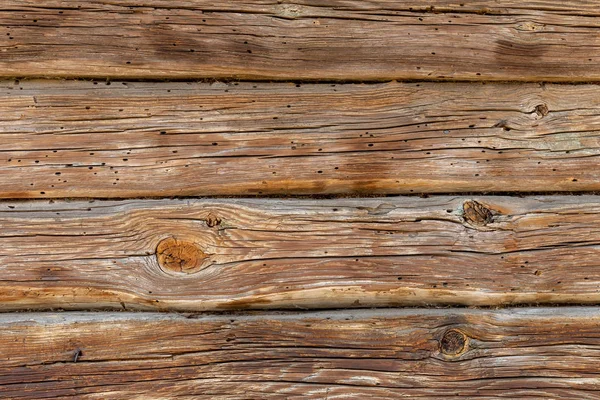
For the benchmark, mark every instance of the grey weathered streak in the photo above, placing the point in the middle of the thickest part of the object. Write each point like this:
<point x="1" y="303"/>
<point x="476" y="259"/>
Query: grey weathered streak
<point x="133" y="139"/>
<point x="537" y="353"/>
<point x="311" y="39"/>
<point x="297" y="254"/>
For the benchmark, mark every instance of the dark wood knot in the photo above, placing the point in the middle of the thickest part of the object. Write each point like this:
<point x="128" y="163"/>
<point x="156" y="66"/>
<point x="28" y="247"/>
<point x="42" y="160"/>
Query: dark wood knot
<point x="212" y="220"/>
<point x="476" y="213"/>
<point x="542" y="110"/>
<point x="181" y="256"/>
<point x="453" y="343"/>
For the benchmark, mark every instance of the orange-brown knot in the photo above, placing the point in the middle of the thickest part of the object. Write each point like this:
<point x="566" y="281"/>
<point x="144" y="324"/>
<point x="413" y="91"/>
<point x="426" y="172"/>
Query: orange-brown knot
<point x="212" y="220"/>
<point x="453" y="343"/>
<point x="180" y="256"/>
<point x="476" y="213"/>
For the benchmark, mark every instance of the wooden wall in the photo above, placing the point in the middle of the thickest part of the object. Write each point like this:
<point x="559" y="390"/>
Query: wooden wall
<point x="292" y="199"/>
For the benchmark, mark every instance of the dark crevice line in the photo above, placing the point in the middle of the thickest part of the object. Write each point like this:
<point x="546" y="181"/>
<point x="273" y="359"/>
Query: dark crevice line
<point x="351" y="312"/>
<point x="302" y="81"/>
<point x="332" y="196"/>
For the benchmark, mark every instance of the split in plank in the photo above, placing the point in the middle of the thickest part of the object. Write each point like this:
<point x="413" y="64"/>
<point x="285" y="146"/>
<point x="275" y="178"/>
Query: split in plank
<point x="523" y="353"/>
<point x="295" y="254"/>
<point x="87" y="139"/>
<point x="310" y="39"/>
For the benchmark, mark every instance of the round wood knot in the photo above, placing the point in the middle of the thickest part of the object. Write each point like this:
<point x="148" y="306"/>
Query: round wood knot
<point x="476" y="213"/>
<point x="180" y="256"/>
<point x="542" y="110"/>
<point x="212" y="220"/>
<point x="453" y="343"/>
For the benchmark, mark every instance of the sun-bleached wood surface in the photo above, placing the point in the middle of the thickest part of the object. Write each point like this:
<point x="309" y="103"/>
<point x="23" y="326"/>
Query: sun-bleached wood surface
<point x="536" y="353"/>
<point x="225" y="158"/>
<point x="131" y="139"/>
<point x="260" y="253"/>
<point x="308" y="40"/>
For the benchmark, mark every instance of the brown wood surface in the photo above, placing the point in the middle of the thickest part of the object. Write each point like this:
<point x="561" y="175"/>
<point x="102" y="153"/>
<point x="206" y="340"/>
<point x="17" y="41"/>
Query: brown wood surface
<point x="297" y="254"/>
<point x="319" y="131"/>
<point x="131" y="139"/>
<point x="522" y="353"/>
<point x="310" y="39"/>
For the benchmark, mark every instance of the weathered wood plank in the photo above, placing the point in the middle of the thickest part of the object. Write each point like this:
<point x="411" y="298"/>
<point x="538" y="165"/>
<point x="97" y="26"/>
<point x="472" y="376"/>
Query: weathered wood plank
<point x="310" y="39"/>
<point x="260" y="254"/>
<point x="80" y="139"/>
<point x="539" y="353"/>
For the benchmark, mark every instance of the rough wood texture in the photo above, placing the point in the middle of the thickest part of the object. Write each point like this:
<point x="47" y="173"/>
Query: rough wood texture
<point x="80" y="139"/>
<point x="524" y="353"/>
<point x="311" y="39"/>
<point x="238" y="254"/>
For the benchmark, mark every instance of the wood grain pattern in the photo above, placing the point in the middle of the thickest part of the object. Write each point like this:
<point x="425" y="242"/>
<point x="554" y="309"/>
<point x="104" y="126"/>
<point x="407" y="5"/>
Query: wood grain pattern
<point x="305" y="39"/>
<point x="297" y="254"/>
<point x="80" y="139"/>
<point x="111" y="139"/>
<point x="523" y="353"/>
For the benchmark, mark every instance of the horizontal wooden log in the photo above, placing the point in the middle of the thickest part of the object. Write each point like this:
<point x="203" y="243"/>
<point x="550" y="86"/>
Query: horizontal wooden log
<point x="304" y="39"/>
<point x="537" y="353"/>
<point x="296" y="254"/>
<point x="87" y="139"/>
